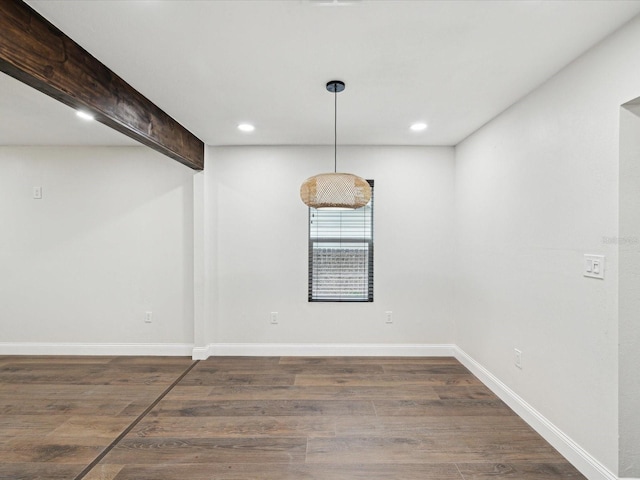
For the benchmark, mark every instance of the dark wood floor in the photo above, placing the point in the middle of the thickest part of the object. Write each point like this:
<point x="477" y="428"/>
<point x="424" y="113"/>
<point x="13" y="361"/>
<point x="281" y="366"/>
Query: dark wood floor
<point x="233" y="418"/>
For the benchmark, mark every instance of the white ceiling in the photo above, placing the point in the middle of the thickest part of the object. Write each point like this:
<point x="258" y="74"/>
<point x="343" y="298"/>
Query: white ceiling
<point x="452" y="64"/>
<point x="29" y="117"/>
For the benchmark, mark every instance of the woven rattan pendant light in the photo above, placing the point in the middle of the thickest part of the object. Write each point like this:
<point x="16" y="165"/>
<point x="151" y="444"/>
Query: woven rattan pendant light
<point x="335" y="190"/>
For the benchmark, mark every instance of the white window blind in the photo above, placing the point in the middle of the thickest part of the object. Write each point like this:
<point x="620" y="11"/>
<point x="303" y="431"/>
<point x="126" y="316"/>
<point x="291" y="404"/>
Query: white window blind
<point x="341" y="254"/>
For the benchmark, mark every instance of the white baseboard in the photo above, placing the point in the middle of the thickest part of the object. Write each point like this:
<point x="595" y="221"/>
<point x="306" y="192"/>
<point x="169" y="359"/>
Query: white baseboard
<point x="327" y="349"/>
<point x="109" y="349"/>
<point x="580" y="458"/>
<point x="200" y="353"/>
<point x="227" y="349"/>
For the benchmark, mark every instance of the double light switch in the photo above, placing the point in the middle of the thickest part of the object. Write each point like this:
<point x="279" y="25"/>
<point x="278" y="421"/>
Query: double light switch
<point x="594" y="266"/>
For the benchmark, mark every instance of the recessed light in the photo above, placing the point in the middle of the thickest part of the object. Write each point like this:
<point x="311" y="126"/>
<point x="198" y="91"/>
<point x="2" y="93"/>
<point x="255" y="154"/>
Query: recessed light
<point x="246" y="127"/>
<point x="418" y="127"/>
<point x="84" y="115"/>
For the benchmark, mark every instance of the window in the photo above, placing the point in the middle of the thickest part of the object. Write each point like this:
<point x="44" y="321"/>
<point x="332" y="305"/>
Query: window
<point x="341" y="254"/>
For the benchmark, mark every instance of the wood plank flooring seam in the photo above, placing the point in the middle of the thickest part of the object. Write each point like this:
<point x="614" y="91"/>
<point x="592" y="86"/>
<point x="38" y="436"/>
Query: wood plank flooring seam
<point x="126" y="431"/>
<point x="375" y="411"/>
<point x="459" y="472"/>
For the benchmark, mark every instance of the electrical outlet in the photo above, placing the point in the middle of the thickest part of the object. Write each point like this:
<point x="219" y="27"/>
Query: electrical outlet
<point x="148" y="317"/>
<point x="274" y="318"/>
<point x="388" y="317"/>
<point x="518" y="360"/>
<point x="37" y="193"/>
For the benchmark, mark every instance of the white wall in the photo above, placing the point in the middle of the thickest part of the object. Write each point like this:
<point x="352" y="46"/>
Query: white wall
<point x="629" y="295"/>
<point x="258" y="257"/>
<point x="111" y="238"/>
<point x="536" y="189"/>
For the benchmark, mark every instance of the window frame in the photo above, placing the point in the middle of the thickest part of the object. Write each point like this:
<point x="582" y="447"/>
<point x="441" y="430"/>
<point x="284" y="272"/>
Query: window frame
<point x="343" y="240"/>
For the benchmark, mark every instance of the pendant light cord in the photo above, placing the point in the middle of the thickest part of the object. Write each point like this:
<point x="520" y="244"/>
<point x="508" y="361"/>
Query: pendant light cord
<point x="335" y="129"/>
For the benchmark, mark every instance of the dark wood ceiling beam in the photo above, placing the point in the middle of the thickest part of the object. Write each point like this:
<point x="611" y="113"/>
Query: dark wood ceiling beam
<point x="37" y="53"/>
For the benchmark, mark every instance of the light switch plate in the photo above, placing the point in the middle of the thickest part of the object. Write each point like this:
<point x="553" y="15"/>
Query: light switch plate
<point x="593" y="266"/>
